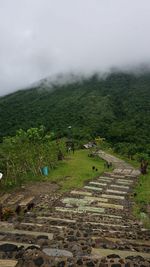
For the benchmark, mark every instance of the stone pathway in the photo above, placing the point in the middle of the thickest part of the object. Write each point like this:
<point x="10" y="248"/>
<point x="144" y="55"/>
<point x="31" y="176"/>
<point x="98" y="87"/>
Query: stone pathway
<point x="91" y="227"/>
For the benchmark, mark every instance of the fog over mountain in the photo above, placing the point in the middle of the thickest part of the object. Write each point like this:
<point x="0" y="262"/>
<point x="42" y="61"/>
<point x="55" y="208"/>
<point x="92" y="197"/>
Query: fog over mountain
<point x="41" y="38"/>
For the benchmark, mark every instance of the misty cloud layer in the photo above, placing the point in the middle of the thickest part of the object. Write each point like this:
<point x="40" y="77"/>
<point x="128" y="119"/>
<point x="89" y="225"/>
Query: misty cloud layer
<point x="41" y="38"/>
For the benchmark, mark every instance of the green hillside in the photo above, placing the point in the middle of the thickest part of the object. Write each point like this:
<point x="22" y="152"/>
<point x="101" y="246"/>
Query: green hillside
<point x="117" y="108"/>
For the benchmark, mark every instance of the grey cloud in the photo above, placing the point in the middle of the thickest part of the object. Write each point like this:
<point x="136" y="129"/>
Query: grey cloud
<point x="41" y="38"/>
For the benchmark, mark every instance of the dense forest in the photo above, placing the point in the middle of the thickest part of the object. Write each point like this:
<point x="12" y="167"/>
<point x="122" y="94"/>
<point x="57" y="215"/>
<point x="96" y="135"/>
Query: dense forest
<point x="116" y="108"/>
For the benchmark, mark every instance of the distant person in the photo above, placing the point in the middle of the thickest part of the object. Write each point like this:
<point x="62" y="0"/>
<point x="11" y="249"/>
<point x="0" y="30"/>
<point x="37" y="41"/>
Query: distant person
<point x="1" y="176"/>
<point x="144" y="166"/>
<point x="1" y="212"/>
<point x="73" y="148"/>
<point x="107" y="165"/>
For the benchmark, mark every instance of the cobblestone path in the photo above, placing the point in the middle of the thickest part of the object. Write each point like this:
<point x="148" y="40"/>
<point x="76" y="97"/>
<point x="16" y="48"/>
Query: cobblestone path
<point x="93" y="226"/>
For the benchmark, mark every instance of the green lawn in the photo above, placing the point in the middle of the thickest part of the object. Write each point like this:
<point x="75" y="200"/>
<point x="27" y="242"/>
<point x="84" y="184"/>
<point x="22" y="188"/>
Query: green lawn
<point x="75" y="170"/>
<point x="142" y="199"/>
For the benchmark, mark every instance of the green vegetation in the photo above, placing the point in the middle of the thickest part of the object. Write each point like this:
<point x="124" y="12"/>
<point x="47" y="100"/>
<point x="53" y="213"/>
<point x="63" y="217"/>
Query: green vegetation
<point x="23" y="156"/>
<point x="116" y="108"/>
<point x="75" y="170"/>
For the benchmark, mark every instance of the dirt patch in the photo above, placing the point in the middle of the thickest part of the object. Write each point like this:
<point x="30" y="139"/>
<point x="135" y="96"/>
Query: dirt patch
<point x="39" y="188"/>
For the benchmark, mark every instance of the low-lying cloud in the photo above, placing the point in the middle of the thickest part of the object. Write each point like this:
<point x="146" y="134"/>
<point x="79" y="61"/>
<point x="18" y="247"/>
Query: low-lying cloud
<point x="41" y="38"/>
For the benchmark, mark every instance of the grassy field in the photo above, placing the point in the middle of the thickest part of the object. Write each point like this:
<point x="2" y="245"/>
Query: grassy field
<point x="142" y="199"/>
<point x="75" y="170"/>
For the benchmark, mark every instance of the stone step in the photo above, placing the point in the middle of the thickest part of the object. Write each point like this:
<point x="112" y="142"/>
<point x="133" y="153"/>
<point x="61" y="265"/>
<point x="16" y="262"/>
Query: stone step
<point x="124" y="180"/>
<point x="49" y="218"/>
<point x="90" y="200"/>
<point x="108" y="224"/>
<point x="15" y="199"/>
<point x="116" y="176"/>
<point x="99" y="199"/>
<point x="104" y="180"/>
<point x="127" y="171"/>
<point x="82" y="193"/>
<point x="6" y="225"/>
<point x="113" y="175"/>
<point x="115" y="192"/>
<point x="4" y="198"/>
<point x="106" y="177"/>
<point x="40" y="225"/>
<point x="97" y="183"/>
<point x="93" y="212"/>
<point x="110" y="206"/>
<point x="120" y="186"/>
<point x="99" y="252"/>
<point x="117" y="171"/>
<point x="135" y="173"/>
<point x="113" y="196"/>
<point x="138" y="242"/>
<point x="8" y="263"/>
<point x="81" y="209"/>
<point x="93" y="188"/>
<point x="27" y="233"/>
<point x="123" y="183"/>
<point x="77" y="201"/>
<point x="26" y="201"/>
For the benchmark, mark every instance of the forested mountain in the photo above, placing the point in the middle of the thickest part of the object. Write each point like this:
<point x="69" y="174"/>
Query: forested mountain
<point x="117" y="108"/>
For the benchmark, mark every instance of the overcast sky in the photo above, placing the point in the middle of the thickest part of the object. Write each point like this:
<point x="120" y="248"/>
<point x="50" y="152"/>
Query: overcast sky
<point x="40" y="38"/>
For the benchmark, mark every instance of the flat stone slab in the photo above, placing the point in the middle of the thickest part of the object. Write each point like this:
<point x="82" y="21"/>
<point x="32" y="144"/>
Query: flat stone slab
<point x="135" y="172"/>
<point x="100" y="199"/>
<point x="56" y="219"/>
<point x="122" y="253"/>
<point x="92" y="209"/>
<point x="97" y="183"/>
<point x="117" y="217"/>
<point x="126" y="171"/>
<point x="125" y="180"/>
<point x="4" y="198"/>
<point x="16" y="199"/>
<point x="26" y="201"/>
<point x="93" y="188"/>
<point x="116" y="192"/>
<point x="8" y="263"/>
<point x="105" y="177"/>
<point x="117" y="170"/>
<point x="23" y="232"/>
<point x="82" y="193"/>
<point x="113" y="196"/>
<point x="6" y="225"/>
<point x="110" y="206"/>
<point x="68" y="210"/>
<point x="109" y="224"/>
<point x="57" y="252"/>
<point x="41" y="225"/>
<point x="139" y="242"/>
<point x="120" y="186"/>
<point x="104" y="180"/>
<point x="123" y="183"/>
<point x="31" y="224"/>
<point x="116" y="176"/>
<point x="77" y="201"/>
<point x="82" y="209"/>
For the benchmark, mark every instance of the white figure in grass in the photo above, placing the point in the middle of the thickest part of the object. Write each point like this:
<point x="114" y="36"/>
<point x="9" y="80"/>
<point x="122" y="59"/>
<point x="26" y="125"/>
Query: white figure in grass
<point x="1" y="176"/>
